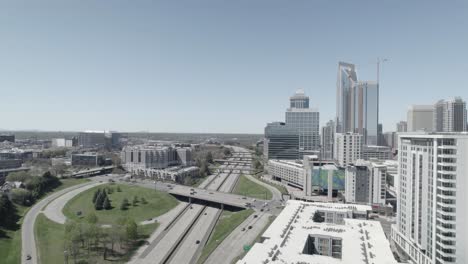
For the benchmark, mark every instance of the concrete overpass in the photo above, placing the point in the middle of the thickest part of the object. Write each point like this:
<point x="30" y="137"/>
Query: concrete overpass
<point x="92" y="172"/>
<point x="220" y="199"/>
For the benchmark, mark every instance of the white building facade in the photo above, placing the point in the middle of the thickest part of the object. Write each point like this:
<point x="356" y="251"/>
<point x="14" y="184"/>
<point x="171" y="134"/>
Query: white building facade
<point x="348" y="148"/>
<point x="431" y="198"/>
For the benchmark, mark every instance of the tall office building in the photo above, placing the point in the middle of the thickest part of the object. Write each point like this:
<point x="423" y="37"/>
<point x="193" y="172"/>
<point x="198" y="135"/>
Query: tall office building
<point x="450" y="115"/>
<point x="420" y="118"/>
<point x="432" y="202"/>
<point x="346" y="80"/>
<point x="281" y="141"/>
<point x="357" y="107"/>
<point x="348" y="148"/>
<point x="305" y="120"/>
<point x="402" y="126"/>
<point x="328" y="140"/>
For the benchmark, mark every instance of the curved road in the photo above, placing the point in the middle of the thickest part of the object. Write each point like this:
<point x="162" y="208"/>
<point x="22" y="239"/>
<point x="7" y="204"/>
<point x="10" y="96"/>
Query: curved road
<point x="276" y="194"/>
<point x="28" y="242"/>
<point x="53" y="211"/>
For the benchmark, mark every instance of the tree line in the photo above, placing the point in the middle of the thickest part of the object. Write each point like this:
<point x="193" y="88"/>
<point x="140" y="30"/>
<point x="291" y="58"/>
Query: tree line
<point x="83" y="239"/>
<point x="35" y="186"/>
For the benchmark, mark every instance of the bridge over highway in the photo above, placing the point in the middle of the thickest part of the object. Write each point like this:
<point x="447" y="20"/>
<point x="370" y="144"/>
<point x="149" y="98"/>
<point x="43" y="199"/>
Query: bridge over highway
<point x="197" y="195"/>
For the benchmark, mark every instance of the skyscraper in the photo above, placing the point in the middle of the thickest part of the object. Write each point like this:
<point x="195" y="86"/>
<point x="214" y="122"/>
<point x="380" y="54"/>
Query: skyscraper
<point x="431" y="201"/>
<point x="328" y="140"/>
<point x="420" y="118"/>
<point x="357" y="105"/>
<point x="450" y="115"/>
<point x="305" y="120"/>
<point x="281" y="141"/>
<point x="346" y="80"/>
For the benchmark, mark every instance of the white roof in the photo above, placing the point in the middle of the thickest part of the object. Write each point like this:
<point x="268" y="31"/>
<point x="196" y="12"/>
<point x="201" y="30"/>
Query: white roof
<point x="363" y="241"/>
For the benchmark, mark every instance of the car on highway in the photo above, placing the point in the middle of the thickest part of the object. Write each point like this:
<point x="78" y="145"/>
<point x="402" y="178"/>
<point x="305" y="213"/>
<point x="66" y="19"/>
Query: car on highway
<point x="197" y="242"/>
<point x="28" y="257"/>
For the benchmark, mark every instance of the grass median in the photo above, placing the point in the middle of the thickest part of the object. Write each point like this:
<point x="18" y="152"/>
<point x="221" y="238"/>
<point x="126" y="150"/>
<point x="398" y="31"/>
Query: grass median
<point x="251" y="189"/>
<point x="227" y="223"/>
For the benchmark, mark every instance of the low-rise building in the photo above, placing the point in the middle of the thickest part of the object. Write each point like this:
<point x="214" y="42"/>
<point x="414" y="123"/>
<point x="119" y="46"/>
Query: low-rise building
<point x="8" y="138"/>
<point x="342" y="236"/>
<point x="287" y="171"/>
<point x="88" y="159"/>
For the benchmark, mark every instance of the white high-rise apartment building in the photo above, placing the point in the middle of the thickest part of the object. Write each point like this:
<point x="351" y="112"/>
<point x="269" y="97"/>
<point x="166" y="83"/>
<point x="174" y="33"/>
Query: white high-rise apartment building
<point x="305" y="120"/>
<point x="348" y="148"/>
<point x="450" y="116"/>
<point x="432" y="197"/>
<point x="365" y="182"/>
<point x="420" y="118"/>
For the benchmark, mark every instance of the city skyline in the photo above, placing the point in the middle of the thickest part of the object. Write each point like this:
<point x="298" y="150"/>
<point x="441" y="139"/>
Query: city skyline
<point x="133" y="62"/>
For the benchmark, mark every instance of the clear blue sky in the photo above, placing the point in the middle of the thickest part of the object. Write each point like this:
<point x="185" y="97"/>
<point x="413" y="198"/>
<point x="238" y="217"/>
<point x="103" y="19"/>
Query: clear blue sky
<point x="218" y="66"/>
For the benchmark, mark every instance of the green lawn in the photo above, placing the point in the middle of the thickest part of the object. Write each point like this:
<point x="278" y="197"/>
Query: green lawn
<point x="280" y="188"/>
<point x="249" y="188"/>
<point x="226" y="224"/>
<point x="158" y="204"/>
<point x="50" y="236"/>
<point x="10" y="247"/>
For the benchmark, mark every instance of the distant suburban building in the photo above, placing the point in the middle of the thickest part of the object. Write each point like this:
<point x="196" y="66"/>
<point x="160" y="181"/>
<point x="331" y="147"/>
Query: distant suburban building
<point x="420" y="118"/>
<point x="62" y="143"/>
<point x="8" y="138"/>
<point x="377" y="152"/>
<point x="281" y="141"/>
<point x="348" y="148"/>
<point x="92" y="139"/>
<point x="10" y="163"/>
<point x="365" y="182"/>
<point x="402" y="126"/>
<point x="139" y="158"/>
<point x="88" y="159"/>
<point x="319" y="233"/>
<point x="450" y="115"/>
<point x="306" y="120"/>
<point x="328" y="140"/>
<point x="357" y="105"/>
<point x="432" y="201"/>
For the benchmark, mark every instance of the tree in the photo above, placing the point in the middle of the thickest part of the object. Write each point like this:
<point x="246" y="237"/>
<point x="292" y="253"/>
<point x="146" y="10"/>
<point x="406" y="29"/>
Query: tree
<point x="143" y="200"/>
<point x="21" y="196"/>
<point x="124" y="204"/>
<point x="92" y="218"/>
<point x="107" y="205"/>
<point x="209" y="157"/>
<point x="318" y="218"/>
<point x="21" y="176"/>
<point x="8" y="213"/>
<point x="227" y="152"/>
<point x="96" y="194"/>
<point x="118" y="189"/>
<point x="132" y="230"/>
<point x="99" y="204"/>
<point x="135" y="200"/>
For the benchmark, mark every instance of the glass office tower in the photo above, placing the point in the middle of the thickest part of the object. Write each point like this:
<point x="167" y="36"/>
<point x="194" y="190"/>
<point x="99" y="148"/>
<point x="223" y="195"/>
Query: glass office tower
<point x="305" y="120"/>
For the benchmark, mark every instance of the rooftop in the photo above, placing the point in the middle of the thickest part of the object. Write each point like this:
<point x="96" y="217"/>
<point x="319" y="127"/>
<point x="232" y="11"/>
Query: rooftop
<point x="363" y="241"/>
